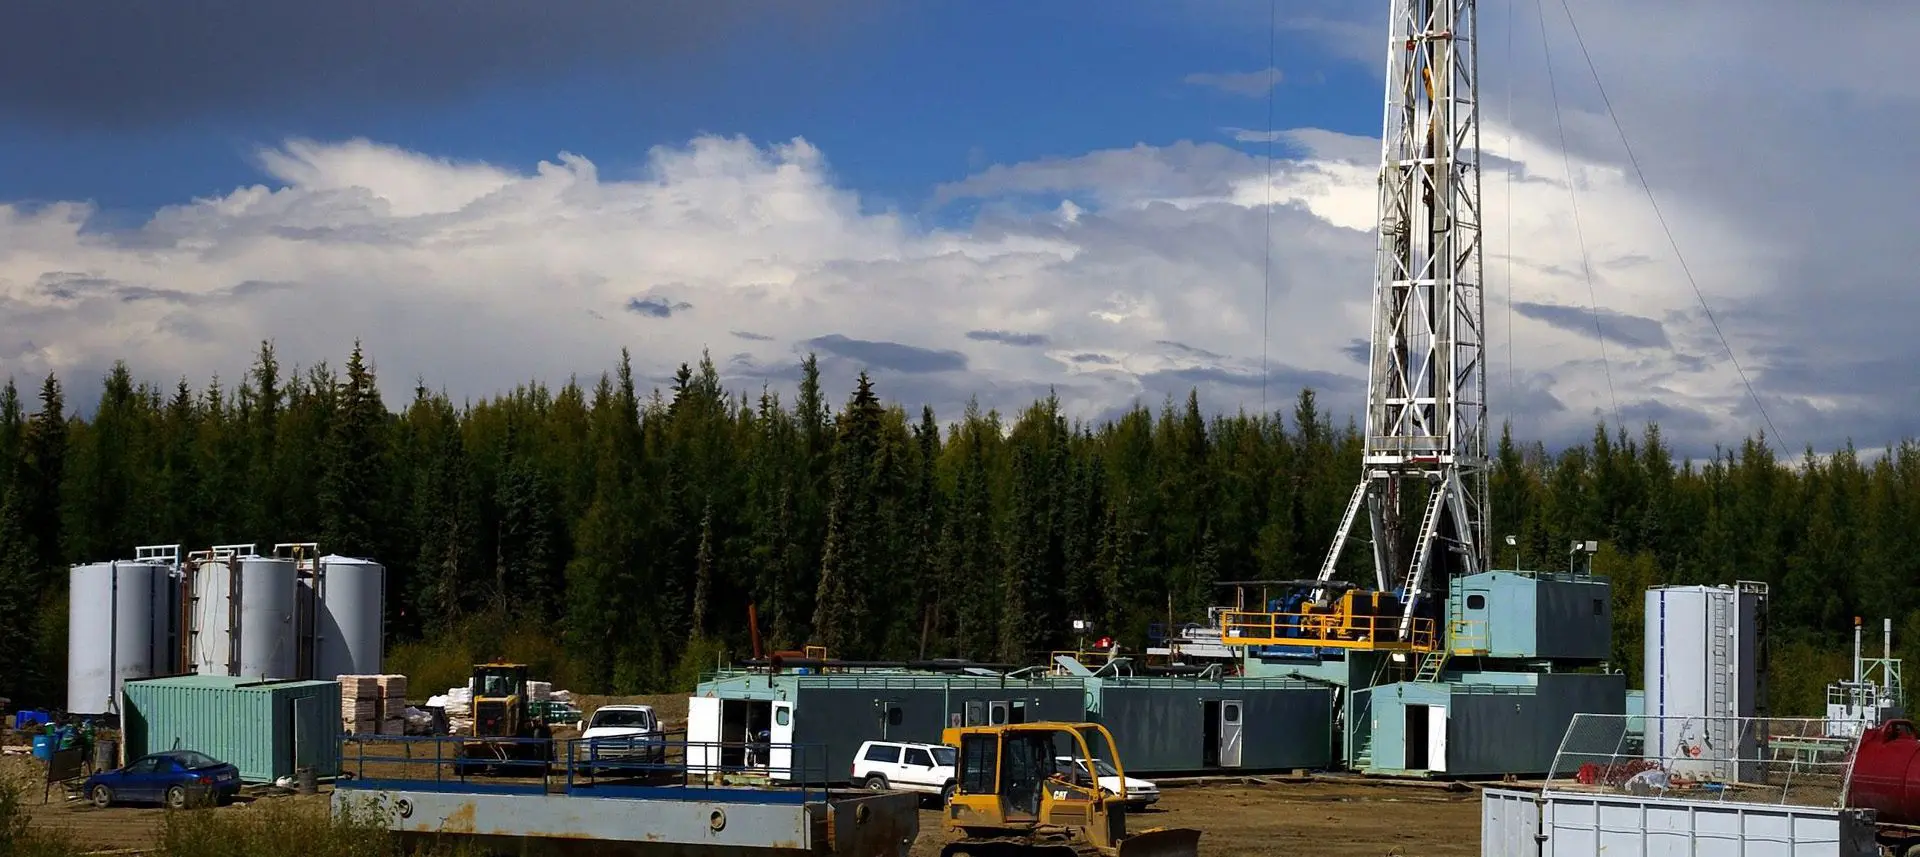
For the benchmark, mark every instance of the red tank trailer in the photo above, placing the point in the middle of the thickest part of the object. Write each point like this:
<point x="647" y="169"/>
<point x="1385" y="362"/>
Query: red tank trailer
<point x="1886" y="773"/>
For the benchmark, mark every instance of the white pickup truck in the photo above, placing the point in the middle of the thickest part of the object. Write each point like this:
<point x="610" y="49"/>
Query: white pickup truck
<point x="625" y="734"/>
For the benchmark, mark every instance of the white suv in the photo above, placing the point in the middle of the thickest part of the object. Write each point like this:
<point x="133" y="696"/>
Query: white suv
<point x="1140" y="793"/>
<point x="924" y="768"/>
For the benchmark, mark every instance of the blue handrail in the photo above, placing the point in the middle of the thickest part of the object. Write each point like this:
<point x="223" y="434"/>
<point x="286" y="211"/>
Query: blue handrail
<point x="603" y="767"/>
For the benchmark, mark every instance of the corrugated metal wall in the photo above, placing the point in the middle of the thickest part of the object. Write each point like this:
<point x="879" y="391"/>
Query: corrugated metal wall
<point x="258" y="728"/>
<point x="842" y="718"/>
<point x="1574" y="620"/>
<point x="1518" y="733"/>
<point x="1164" y="729"/>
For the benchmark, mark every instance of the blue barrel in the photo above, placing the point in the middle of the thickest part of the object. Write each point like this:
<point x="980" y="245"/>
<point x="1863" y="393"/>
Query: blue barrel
<point x="43" y="747"/>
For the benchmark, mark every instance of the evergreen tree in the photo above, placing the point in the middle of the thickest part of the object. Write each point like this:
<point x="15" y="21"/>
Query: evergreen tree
<point x="352" y="489"/>
<point x="844" y="619"/>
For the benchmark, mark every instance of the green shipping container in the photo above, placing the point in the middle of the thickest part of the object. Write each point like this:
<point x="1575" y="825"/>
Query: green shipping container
<point x="267" y="729"/>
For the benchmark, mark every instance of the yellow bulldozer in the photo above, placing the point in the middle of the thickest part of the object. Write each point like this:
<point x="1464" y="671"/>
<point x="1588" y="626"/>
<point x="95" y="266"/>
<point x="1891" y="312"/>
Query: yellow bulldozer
<point x="1023" y="790"/>
<point x="508" y="735"/>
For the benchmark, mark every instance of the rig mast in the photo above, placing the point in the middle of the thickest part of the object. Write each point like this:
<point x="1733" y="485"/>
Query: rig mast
<point x="1426" y="385"/>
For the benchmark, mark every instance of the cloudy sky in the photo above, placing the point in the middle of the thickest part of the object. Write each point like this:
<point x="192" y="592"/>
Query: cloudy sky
<point x="968" y="199"/>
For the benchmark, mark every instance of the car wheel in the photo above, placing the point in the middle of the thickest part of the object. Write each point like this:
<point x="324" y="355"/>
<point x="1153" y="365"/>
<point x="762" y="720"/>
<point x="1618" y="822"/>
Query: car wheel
<point x="946" y="794"/>
<point x="177" y="797"/>
<point x="102" y="797"/>
<point x="876" y="783"/>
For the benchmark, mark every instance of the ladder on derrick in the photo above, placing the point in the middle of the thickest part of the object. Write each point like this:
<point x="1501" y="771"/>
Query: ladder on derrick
<point x="1422" y="554"/>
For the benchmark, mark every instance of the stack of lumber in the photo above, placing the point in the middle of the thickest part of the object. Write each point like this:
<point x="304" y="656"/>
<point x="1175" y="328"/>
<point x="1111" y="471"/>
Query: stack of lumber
<point x="393" y="704"/>
<point x="360" y="704"/>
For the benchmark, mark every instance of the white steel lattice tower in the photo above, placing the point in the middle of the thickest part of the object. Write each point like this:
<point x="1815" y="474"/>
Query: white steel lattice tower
<point x="1426" y="402"/>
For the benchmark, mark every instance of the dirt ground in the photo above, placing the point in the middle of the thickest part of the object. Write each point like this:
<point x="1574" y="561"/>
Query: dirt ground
<point x="1326" y="819"/>
<point x="1323" y="819"/>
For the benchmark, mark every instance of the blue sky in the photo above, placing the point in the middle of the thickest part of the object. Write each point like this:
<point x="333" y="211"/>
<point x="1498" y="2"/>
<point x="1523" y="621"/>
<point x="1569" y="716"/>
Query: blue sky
<point x="971" y="200"/>
<point x="903" y="96"/>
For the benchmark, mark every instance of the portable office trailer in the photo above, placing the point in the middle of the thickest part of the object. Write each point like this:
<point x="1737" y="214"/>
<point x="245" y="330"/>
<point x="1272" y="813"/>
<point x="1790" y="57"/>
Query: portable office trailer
<point x="1478" y="725"/>
<point x="830" y="715"/>
<point x="1190" y="725"/>
<point x="268" y="729"/>
<point x="1531" y="616"/>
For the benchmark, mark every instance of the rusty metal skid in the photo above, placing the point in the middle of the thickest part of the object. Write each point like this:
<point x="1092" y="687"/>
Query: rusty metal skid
<point x="690" y="820"/>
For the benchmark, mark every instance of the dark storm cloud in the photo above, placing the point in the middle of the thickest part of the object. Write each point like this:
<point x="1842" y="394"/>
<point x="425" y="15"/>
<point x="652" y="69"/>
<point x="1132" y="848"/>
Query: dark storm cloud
<point x="656" y="307"/>
<point x="93" y="62"/>
<point x="1359" y="350"/>
<point x="1632" y="331"/>
<point x="889" y="355"/>
<point x="1094" y="358"/>
<point x="73" y="288"/>
<point x="1008" y="337"/>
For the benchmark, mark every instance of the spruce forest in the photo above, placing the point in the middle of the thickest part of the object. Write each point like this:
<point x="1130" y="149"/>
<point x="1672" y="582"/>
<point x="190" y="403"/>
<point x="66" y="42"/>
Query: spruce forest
<point x="614" y="537"/>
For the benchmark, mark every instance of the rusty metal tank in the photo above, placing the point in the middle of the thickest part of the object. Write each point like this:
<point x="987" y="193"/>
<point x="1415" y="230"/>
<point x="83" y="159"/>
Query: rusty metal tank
<point x="1886" y="773"/>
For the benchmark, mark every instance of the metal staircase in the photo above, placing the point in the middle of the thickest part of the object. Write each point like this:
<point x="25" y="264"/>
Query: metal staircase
<point x="1432" y="665"/>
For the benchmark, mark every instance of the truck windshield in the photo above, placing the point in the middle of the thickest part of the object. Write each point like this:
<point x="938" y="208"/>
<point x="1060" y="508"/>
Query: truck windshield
<point x="944" y="756"/>
<point x="621" y="719"/>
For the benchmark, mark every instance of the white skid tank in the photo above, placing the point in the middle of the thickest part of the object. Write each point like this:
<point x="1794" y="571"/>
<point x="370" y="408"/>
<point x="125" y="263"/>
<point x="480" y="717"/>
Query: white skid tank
<point x="351" y="604"/>
<point x="243" y="615"/>
<point x="1705" y="675"/>
<point x="119" y="624"/>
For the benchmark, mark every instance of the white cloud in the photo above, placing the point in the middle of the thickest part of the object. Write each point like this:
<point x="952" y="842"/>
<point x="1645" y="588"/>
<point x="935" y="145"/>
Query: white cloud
<point x="1117" y="274"/>
<point x="1248" y="83"/>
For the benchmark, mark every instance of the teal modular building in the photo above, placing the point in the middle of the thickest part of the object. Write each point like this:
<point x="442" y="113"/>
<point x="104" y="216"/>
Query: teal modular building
<point x="828" y="715"/>
<point x="1161" y="724"/>
<point x="1176" y="724"/>
<point x="267" y="729"/>
<point x="1475" y="724"/>
<point x="1522" y="653"/>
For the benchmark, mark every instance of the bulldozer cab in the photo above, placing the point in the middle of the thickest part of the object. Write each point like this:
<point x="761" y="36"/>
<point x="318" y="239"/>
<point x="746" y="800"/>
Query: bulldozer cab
<point x="498" y="681"/>
<point x="1024" y="776"/>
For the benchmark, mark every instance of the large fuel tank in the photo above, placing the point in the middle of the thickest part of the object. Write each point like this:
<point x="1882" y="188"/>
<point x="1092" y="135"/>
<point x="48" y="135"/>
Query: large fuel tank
<point x="1886" y="773"/>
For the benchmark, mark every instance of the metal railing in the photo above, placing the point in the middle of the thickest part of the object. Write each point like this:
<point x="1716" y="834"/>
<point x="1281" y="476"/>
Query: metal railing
<point x="1325" y="630"/>
<point x="900" y="680"/>
<point x="634" y="766"/>
<point x="1468" y="637"/>
<point x="1784" y="761"/>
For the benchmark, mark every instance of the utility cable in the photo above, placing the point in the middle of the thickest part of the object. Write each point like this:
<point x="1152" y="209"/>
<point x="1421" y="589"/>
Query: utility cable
<point x="1513" y="386"/>
<point x="1673" y="242"/>
<point x="1573" y="193"/>
<point x="1266" y="270"/>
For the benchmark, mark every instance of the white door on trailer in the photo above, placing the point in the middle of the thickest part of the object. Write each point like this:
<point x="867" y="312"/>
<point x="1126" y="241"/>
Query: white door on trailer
<point x="1230" y="728"/>
<point x="1436" y="738"/>
<point x="780" y="735"/>
<point x="703" y="733"/>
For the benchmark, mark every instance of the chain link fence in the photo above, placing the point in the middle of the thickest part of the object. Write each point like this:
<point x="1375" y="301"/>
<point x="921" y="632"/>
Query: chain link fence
<point x="1777" y="760"/>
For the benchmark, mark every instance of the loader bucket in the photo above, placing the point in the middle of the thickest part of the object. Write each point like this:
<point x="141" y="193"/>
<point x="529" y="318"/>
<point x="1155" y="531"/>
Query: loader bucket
<point x="1161" y="842"/>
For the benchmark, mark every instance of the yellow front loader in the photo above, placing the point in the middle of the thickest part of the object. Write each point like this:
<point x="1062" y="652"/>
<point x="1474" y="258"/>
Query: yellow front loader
<point x="1022" y="790"/>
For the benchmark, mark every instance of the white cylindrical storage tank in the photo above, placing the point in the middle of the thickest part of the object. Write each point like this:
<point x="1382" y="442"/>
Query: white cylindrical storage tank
<point x="1703" y="678"/>
<point x="212" y="647"/>
<point x="267" y="602"/>
<point x="111" y="631"/>
<point x="350" y="618"/>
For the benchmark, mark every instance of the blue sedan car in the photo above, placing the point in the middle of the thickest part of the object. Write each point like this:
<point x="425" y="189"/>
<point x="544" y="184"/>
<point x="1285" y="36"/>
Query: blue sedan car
<point x="175" y="778"/>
